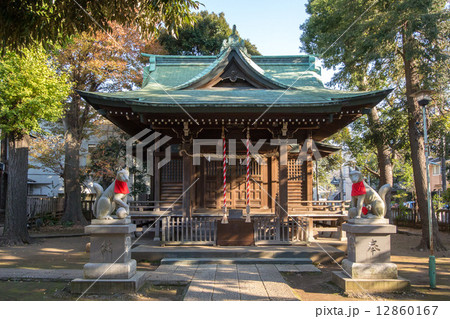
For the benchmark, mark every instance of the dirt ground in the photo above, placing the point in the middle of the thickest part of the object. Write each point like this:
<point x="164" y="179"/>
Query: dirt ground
<point x="412" y="265"/>
<point x="69" y="253"/>
<point x="55" y="291"/>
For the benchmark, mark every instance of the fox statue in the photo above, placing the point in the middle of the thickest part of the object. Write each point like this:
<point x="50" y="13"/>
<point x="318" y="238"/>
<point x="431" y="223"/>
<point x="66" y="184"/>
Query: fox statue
<point x="115" y="195"/>
<point x="365" y="199"/>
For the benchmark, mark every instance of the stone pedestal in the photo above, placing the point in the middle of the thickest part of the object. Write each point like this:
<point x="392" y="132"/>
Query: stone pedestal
<point x="110" y="268"/>
<point x="368" y="266"/>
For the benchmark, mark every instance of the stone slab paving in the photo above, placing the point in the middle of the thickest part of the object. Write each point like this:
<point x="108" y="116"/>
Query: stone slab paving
<point x="238" y="282"/>
<point x="297" y="268"/>
<point x="276" y="287"/>
<point x="307" y="268"/>
<point x="172" y="274"/>
<point x="286" y="268"/>
<point x="202" y="285"/>
<point x="251" y="286"/>
<point x="226" y="283"/>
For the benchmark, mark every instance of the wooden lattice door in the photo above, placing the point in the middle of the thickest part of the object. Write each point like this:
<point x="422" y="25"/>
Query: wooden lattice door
<point x="239" y="186"/>
<point x="236" y="185"/>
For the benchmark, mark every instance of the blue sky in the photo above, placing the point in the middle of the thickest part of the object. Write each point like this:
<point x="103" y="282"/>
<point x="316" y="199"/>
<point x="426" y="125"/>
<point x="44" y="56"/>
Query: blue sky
<point x="272" y="25"/>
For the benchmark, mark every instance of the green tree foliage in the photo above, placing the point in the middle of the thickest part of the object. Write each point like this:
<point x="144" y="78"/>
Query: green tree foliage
<point x="31" y="90"/>
<point x="401" y="43"/>
<point x="24" y="22"/>
<point x="108" y="158"/>
<point x="204" y="37"/>
<point x="98" y="62"/>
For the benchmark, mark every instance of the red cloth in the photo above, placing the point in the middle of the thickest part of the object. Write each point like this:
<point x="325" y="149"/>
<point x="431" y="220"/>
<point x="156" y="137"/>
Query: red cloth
<point x="121" y="187"/>
<point x="365" y="210"/>
<point x="358" y="189"/>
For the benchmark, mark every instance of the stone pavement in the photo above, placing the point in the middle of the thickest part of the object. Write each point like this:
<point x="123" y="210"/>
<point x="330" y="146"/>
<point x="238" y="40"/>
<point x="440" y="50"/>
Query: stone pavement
<point x="207" y="281"/>
<point x="240" y="282"/>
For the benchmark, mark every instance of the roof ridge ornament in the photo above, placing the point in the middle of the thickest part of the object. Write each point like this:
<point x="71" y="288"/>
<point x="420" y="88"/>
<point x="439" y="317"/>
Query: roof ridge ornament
<point x="234" y="41"/>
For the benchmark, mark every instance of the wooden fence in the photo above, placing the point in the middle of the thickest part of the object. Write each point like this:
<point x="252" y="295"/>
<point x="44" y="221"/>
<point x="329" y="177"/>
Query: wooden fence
<point x="308" y="207"/>
<point x="410" y="217"/>
<point x="273" y="230"/>
<point x="44" y="207"/>
<point x="189" y="230"/>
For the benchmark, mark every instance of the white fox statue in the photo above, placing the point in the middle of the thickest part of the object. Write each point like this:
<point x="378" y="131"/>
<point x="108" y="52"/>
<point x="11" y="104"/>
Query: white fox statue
<point x="115" y="195"/>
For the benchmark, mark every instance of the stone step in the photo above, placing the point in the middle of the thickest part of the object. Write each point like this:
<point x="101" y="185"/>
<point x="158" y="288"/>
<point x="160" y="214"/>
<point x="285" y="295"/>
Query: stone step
<point x="234" y="261"/>
<point x="315" y="253"/>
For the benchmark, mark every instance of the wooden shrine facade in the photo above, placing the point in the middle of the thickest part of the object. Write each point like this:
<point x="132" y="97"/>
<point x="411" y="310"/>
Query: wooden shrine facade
<point x="273" y="98"/>
<point x="206" y="195"/>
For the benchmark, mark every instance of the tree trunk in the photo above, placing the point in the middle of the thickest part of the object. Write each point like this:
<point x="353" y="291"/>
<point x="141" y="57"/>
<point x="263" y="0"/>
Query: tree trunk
<point x="415" y="123"/>
<point x="384" y="159"/>
<point x="72" y="186"/>
<point x="3" y="179"/>
<point x="16" y="232"/>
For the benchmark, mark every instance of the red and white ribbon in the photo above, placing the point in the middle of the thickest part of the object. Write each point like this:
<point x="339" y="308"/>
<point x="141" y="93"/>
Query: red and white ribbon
<point x="247" y="218"/>
<point x="224" y="175"/>
<point x="248" y="171"/>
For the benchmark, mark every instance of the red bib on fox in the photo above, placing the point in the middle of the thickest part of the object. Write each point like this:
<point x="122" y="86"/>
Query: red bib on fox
<point x="121" y="187"/>
<point x="358" y="189"/>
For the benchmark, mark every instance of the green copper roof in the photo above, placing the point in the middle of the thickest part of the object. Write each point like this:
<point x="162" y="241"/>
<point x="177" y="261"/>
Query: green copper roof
<point x="286" y="81"/>
<point x="308" y="99"/>
<point x="174" y="71"/>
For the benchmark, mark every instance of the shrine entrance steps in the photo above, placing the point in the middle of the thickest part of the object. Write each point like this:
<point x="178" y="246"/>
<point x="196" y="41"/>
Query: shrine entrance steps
<point x="235" y="261"/>
<point x="232" y="255"/>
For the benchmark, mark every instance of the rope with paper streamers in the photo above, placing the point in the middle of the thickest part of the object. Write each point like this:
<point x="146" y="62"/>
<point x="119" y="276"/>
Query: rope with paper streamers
<point x="247" y="218"/>
<point x="224" y="218"/>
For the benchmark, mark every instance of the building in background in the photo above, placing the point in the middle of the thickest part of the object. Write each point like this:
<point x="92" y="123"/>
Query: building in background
<point x="436" y="174"/>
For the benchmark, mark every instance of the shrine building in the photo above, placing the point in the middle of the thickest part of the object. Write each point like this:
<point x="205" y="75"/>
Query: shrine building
<point x="234" y="97"/>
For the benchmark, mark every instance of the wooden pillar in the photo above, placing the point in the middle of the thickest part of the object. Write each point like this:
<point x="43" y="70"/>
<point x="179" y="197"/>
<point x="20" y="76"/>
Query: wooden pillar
<point x="310" y="229"/>
<point x="307" y="179"/>
<point x="265" y="185"/>
<point x="187" y="180"/>
<point x="342" y="233"/>
<point x="283" y="180"/>
<point x="157" y="184"/>
<point x="201" y="184"/>
<point x="274" y="181"/>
